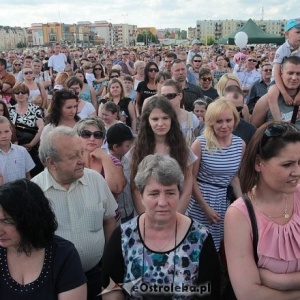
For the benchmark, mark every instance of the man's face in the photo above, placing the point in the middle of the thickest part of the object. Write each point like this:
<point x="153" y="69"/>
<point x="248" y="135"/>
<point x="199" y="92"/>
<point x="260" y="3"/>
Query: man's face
<point x="36" y="67"/>
<point x="27" y="63"/>
<point x="290" y="75"/>
<point x="266" y="72"/>
<point x="229" y="53"/>
<point x="64" y="51"/>
<point x="167" y="63"/>
<point x="196" y="47"/>
<point x="57" y="49"/>
<point x="128" y="85"/>
<point x="91" y="57"/>
<point x="70" y="165"/>
<point x="5" y="134"/>
<point x="179" y="72"/>
<point x="251" y="63"/>
<point x="293" y="36"/>
<point x="197" y="62"/>
<point x="183" y="57"/>
<point x="235" y="98"/>
<point x="11" y="57"/>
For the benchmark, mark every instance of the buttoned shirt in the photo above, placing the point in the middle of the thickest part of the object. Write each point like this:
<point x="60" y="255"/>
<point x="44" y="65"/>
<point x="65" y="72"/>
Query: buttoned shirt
<point x="80" y="212"/>
<point x="247" y="78"/>
<point x="15" y="163"/>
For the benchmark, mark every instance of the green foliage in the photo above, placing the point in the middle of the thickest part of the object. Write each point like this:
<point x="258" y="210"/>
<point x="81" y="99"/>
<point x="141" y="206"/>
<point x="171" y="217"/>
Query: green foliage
<point x="147" y="37"/>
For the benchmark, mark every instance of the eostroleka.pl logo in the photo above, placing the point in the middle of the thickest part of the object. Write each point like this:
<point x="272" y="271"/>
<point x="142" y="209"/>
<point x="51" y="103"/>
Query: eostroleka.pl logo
<point x="139" y="287"/>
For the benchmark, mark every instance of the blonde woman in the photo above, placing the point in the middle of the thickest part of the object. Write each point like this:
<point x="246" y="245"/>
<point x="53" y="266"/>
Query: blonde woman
<point x="219" y="155"/>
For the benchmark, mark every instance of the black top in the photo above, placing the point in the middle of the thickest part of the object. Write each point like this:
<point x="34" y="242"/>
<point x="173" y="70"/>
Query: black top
<point x="191" y="93"/>
<point x="62" y="271"/>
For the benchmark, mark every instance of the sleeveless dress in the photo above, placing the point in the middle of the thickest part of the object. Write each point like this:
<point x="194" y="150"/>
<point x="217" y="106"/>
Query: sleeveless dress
<point x="216" y="172"/>
<point x="86" y="94"/>
<point x="278" y="246"/>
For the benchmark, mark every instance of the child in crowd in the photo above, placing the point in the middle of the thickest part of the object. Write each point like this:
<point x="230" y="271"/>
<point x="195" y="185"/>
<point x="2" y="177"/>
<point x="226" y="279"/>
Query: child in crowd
<point x="15" y="161"/>
<point x="289" y="48"/>
<point x="200" y="107"/>
<point x="128" y="85"/>
<point x="119" y="138"/>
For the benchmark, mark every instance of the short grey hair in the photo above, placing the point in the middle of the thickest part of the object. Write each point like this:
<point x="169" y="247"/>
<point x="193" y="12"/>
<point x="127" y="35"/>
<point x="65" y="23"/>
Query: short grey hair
<point x="92" y="121"/>
<point x="164" y="169"/>
<point x="47" y="147"/>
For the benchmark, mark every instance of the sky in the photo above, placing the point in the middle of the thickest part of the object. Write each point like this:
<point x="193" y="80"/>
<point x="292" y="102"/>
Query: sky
<point x="152" y="13"/>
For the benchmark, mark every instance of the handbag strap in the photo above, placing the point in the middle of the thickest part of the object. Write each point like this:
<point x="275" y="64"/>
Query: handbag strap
<point x="253" y="225"/>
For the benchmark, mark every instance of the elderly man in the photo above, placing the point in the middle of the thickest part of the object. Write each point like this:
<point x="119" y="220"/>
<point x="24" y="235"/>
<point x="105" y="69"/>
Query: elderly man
<point x="260" y="87"/>
<point x="247" y="74"/>
<point x="191" y="92"/>
<point x="290" y="75"/>
<point x="80" y="198"/>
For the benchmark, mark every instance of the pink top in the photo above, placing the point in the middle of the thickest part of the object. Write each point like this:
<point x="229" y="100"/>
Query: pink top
<point x="278" y="245"/>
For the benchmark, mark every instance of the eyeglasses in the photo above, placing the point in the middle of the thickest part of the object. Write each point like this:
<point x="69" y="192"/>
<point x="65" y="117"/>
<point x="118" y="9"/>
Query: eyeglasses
<point x="125" y="54"/>
<point x="17" y="65"/>
<point x="170" y="96"/>
<point x="98" y="69"/>
<point x="28" y="72"/>
<point x="86" y="134"/>
<point x="19" y="92"/>
<point x="197" y="60"/>
<point x="206" y="78"/>
<point x="153" y="70"/>
<point x="114" y="76"/>
<point x="276" y="130"/>
<point x="267" y="70"/>
<point x="252" y="60"/>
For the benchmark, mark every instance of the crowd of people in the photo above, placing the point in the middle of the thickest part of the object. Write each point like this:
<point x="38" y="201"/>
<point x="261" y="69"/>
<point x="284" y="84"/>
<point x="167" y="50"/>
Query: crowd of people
<point x="137" y="172"/>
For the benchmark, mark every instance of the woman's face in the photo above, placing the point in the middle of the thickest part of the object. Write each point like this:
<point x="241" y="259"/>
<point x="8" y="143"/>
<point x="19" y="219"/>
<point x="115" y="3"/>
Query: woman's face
<point x="224" y="124"/>
<point x="9" y="236"/>
<point x="152" y="71"/>
<point x="140" y="70"/>
<point x="21" y="96"/>
<point x="17" y="65"/>
<point x="69" y="109"/>
<point x="108" y="117"/>
<point x="170" y="91"/>
<point x="282" y="172"/>
<point x="115" y="89"/>
<point x="200" y="110"/>
<point x="79" y="75"/>
<point x="160" y="122"/>
<point x="27" y="73"/>
<point x="160" y="201"/>
<point x="91" y="143"/>
<point x="98" y="70"/>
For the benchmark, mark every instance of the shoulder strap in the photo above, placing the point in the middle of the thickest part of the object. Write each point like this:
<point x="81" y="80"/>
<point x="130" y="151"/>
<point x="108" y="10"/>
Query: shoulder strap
<point x="253" y="225"/>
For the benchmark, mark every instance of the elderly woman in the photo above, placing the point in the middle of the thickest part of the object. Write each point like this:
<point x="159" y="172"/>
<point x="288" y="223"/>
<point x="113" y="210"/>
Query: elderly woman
<point x="161" y="254"/>
<point x="28" y="121"/>
<point x="219" y="155"/>
<point x="92" y="133"/>
<point x="35" y="264"/>
<point x="269" y="176"/>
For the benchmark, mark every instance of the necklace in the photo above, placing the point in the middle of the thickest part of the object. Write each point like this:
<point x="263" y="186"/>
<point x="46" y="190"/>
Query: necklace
<point x="159" y="249"/>
<point x="284" y="215"/>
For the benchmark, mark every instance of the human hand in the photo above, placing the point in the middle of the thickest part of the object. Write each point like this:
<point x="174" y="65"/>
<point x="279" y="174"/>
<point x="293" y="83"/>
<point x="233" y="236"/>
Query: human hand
<point x="288" y="99"/>
<point x="28" y="146"/>
<point x="212" y="216"/>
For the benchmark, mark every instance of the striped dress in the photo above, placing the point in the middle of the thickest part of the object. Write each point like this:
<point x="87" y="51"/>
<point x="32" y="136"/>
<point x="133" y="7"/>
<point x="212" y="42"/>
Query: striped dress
<point x="215" y="173"/>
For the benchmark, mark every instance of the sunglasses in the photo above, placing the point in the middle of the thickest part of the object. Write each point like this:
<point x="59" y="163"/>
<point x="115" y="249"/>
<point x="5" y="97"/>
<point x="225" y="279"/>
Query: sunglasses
<point x="267" y="70"/>
<point x="87" y="68"/>
<point x="17" y="65"/>
<point x="206" y="78"/>
<point x="239" y="108"/>
<point x="197" y="60"/>
<point x="86" y="134"/>
<point x="153" y="70"/>
<point x="19" y="92"/>
<point x="276" y="130"/>
<point x="115" y="76"/>
<point x="170" y="96"/>
<point x="98" y="69"/>
<point x="125" y="54"/>
<point x="253" y="60"/>
<point x="28" y="72"/>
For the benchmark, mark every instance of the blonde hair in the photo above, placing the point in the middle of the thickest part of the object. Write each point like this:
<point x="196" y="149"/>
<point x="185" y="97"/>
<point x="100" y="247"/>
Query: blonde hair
<point x="212" y="113"/>
<point x="61" y="78"/>
<point x="221" y="85"/>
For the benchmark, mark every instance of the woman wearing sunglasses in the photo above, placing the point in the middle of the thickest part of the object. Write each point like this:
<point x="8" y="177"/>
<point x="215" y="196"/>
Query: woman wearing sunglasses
<point x="147" y="87"/>
<point x="100" y="82"/>
<point x="92" y="133"/>
<point x="63" y="110"/>
<point x="269" y="176"/>
<point x="16" y="68"/>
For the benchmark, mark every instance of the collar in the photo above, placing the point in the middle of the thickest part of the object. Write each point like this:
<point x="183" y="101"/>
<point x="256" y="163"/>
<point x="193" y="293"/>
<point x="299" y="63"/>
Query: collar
<point x="50" y="182"/>
<point x="12" y="147"/>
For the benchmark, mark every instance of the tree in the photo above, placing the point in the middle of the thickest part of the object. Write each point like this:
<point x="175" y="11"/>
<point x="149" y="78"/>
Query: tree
<point x="208" y="40"/>
<point x="167" y="34"/>
<point x="183" y="34"/>
<point x="147" y="37"/>
<point x="21" y="45"/>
